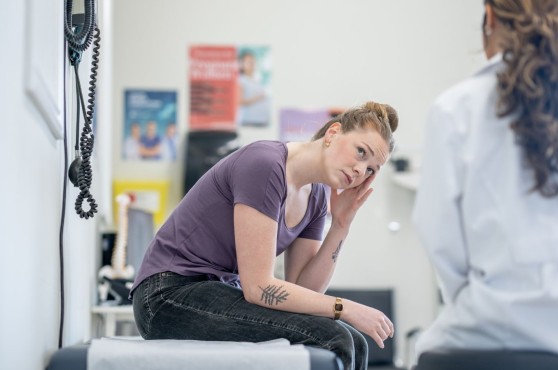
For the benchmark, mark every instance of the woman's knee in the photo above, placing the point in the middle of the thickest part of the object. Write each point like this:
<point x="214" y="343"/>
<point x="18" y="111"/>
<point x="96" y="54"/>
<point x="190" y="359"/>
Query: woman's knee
<point x="360" y="343"/>
<point x="342" y="343"/>
<point x="359" y="346"/>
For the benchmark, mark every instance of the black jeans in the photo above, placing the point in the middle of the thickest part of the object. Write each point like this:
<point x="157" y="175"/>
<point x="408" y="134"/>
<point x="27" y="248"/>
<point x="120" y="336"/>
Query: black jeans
<point x="170" y="306"/>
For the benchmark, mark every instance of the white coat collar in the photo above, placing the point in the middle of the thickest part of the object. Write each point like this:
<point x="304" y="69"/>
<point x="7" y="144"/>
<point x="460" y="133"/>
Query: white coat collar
<point x="494" y="62"/>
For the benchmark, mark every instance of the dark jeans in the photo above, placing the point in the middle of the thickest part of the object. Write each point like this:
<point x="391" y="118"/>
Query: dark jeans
<point x="169" y="306"/>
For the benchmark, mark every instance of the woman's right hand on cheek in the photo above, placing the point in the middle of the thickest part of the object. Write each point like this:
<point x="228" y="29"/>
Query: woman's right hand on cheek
<point x="368" y="320"/>
<point x="345" y="205"/>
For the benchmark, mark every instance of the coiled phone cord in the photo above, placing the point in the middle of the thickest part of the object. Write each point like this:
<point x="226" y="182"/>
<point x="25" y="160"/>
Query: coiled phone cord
<point x="86" y="142"/>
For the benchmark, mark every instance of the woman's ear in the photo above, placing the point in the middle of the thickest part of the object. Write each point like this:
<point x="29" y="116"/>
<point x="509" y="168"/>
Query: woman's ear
<point x="490" y="39"/>
<point x="334" y="129"/>
<point x="490" y="18"/>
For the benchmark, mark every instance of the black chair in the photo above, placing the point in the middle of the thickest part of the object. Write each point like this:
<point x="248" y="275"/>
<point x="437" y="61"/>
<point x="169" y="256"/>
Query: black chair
<point x="203" y="150"/>
<point x="460" y="359"/>
<point x="378" y="359"/>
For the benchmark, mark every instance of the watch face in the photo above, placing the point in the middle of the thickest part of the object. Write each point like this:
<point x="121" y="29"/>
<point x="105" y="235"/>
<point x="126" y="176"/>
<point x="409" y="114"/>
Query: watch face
<point x="338" y="307"/>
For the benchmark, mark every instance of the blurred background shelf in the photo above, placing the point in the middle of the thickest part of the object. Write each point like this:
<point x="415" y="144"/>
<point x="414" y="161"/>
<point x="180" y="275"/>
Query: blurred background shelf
<point x="408" y="180"/>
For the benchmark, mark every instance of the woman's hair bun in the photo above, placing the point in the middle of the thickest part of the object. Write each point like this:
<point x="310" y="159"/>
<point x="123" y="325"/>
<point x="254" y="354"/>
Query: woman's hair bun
<point x="384" y="112"/>
<point x="393" y="118"/>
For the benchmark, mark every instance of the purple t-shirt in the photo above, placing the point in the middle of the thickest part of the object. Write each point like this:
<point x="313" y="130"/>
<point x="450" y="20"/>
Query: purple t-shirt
<point x="198" y="237"/>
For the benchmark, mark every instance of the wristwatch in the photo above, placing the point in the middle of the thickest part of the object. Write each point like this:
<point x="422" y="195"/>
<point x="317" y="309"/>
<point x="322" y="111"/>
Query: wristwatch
<point x="337" y="308"/>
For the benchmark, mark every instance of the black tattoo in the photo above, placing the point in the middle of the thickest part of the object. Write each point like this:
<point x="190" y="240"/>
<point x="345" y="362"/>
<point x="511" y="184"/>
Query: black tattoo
<point x="335" y="253"/>
<point x="273" y="294"/>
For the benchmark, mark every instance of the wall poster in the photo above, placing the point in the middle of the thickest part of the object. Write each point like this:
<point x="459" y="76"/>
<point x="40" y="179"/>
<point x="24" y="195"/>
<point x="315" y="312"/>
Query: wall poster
<point x="297" y="124"/>
<point x="149" y="126"/>
<point x="229" y="87"/>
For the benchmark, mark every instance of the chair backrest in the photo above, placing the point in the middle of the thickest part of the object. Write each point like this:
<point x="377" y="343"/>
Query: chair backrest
<point x="486" y="360"/>
<point x="203" y="150"/>
<point x="383" y="301"/>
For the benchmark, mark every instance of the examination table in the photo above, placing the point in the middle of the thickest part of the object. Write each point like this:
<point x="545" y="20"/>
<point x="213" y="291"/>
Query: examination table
<point x="75" y="358"/>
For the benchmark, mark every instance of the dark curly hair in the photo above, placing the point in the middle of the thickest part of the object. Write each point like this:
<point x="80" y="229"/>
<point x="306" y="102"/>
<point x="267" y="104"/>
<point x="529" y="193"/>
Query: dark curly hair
<point x="528" y="87"/>
<point x="381" y="117"/>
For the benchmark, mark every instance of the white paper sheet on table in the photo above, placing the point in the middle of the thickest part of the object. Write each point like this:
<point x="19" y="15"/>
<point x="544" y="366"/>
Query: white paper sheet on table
<point x="134" y="353"/>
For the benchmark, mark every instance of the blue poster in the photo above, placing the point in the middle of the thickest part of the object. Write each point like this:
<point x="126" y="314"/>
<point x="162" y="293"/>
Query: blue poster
<point x="150" y="132"/>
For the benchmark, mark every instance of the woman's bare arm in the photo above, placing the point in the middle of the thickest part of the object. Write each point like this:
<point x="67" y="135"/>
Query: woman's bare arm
<point x="255" y="237"/>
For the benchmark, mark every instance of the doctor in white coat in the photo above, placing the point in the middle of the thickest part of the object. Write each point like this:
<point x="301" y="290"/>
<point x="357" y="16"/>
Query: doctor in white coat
<point x="487" y="206"/>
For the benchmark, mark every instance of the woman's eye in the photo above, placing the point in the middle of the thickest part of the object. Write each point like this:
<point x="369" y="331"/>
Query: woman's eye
<point x="361" y="152"/>
<point x="370" y="171"/>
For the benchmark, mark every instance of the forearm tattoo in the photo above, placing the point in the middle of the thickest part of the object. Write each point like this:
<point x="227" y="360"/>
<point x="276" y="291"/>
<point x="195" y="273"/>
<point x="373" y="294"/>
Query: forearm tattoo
<point x="273" y="294"/>
<point x="335" y="253"/>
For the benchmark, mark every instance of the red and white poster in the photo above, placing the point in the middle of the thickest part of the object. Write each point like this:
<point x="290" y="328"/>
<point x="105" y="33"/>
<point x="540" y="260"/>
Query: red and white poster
<point x="213" y="87"/>
<point x="230" y="87"/>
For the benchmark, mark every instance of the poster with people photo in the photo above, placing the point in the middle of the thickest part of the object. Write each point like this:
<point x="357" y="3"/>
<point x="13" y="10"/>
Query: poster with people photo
<point x="150" y="132"/>
<point x="230" y="86"/>
<point x="254" y="82"/>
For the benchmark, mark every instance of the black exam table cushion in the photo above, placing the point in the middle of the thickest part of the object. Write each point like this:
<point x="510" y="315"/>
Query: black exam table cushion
<point x="75" y="358"/>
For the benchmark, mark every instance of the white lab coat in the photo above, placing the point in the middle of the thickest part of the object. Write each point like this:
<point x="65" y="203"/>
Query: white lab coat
<point x="492" y="243"/>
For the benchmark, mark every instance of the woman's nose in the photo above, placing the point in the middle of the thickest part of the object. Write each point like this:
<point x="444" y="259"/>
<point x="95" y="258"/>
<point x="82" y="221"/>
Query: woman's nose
<point x="358" y="169"/>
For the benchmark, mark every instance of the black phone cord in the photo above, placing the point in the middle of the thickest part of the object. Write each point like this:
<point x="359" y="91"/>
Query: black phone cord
<point x="86" y="142"/>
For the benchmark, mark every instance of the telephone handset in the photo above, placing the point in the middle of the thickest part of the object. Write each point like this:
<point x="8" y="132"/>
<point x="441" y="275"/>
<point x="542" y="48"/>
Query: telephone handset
<point x="80" y="31"/>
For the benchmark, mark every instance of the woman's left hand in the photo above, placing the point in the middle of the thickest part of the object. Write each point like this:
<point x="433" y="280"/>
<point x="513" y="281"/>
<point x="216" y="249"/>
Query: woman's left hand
<point x="344" y="205"/>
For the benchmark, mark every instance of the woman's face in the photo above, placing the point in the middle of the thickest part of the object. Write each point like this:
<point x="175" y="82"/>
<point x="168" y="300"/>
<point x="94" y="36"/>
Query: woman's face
<point x="354" y="156"/>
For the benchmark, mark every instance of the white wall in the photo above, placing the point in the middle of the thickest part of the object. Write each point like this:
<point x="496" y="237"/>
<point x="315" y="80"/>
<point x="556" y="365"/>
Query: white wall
<point x="31" y="205"/>
<point x="325" y="53"/>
